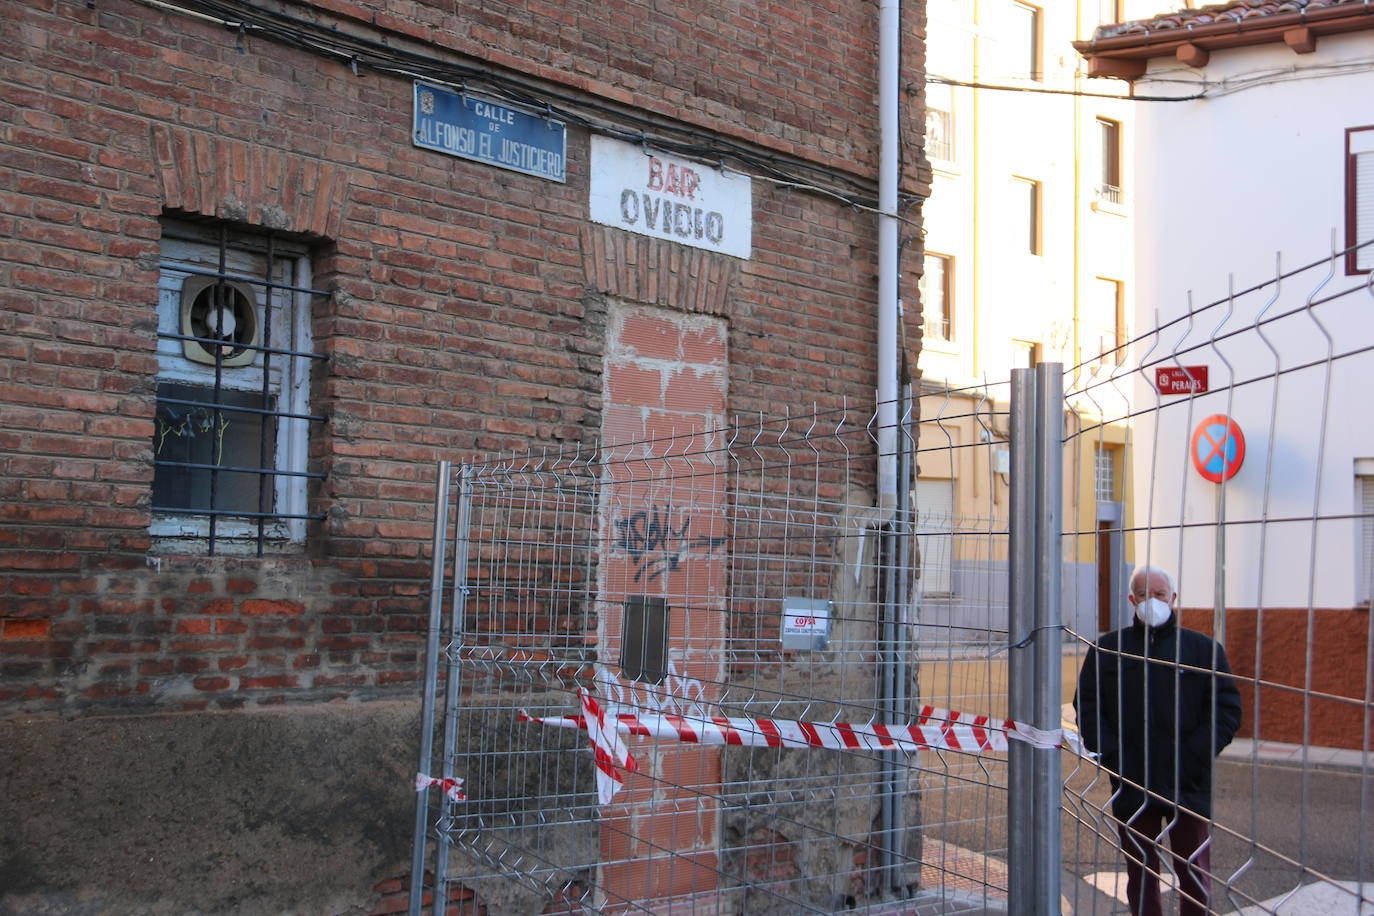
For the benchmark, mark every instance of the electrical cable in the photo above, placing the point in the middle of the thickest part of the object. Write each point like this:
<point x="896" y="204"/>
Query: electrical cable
<point x="244" y="17"/>
<point x="950" y="81"/>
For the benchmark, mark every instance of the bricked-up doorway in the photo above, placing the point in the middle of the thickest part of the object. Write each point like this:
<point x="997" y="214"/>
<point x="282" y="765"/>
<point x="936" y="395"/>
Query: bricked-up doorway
<point x="662" y="524"/>
<point x="743" y="563"/>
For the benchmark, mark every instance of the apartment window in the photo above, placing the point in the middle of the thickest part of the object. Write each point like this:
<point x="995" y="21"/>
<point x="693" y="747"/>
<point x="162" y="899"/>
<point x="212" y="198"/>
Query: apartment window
<point x="1109" y="176"/>
<point x="1027" y="194"/>
<point x="1023" y="42"/>
<point x="936" y="298"/>
<point x="1108" y="12"/>
<point x="1108" y="321"/>
<point x="935" y="534"/>
<point x="940" y="121"/>
<point x="940" y="134"/>
<point x="1364" y="496"/>
<point x="231" y="432"/>
<point x="1359" y="198"/>
<point x="1105" y="473"/>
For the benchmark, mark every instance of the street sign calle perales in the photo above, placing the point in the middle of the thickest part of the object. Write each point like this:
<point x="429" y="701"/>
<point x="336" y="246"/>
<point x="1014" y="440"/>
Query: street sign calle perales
<point x="485" y="131"/>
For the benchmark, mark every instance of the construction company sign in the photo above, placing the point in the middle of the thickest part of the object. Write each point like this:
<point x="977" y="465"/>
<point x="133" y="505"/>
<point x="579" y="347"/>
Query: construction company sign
<point x="649" y="193"/>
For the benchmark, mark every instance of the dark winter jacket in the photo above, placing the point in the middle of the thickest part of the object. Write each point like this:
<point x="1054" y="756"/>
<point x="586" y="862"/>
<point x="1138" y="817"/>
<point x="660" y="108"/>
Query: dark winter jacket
<point x="1187" y="703"/>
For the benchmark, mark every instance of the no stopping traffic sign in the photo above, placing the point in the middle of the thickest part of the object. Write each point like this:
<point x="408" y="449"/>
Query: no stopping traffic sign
<point x="1218" y="448"/>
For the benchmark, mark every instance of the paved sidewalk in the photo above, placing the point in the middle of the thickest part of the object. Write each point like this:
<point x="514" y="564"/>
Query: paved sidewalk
<point x="1275" y="752"/>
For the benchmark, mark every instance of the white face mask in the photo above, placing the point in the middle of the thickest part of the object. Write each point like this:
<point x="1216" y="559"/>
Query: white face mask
<point x="1152" y="612"/>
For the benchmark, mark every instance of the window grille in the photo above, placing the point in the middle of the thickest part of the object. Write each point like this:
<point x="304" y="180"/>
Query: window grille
<point x="1104" y="478"/>
<point x="940" y="134"/>
<point x="231" y="432"/>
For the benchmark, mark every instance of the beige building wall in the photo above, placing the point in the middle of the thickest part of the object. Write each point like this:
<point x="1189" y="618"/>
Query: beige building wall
<point x="1029" y="257"/>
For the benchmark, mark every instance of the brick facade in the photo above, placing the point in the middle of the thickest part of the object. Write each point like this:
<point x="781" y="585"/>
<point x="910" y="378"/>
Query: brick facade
<point x="468" y="309"/>
<point x="467" y="312"/>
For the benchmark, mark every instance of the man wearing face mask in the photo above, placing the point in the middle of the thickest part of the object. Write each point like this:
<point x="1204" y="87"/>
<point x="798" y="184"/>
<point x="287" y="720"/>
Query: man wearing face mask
<point x="1158" y="703"/>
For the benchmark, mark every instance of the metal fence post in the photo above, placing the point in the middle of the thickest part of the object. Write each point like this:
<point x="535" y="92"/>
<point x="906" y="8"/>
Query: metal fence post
<point x="456" y="623"/>
<point x="1034" y="674"/>
<point x="1049" y="524"/>
<point x="436" y="606"/>
<point x="1020" y="598"/>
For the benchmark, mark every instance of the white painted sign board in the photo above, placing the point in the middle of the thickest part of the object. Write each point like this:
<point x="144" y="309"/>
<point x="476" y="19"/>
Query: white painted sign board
<point x="805" y="623"/>
<point x="651" y="193"/>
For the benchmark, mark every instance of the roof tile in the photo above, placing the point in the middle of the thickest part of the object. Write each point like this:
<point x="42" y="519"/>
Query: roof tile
<point x="1238" y="10"/>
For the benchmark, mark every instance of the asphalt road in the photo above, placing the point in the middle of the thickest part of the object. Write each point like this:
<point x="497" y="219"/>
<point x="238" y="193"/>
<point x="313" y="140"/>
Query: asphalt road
<point x="1268" y="819"/>
<point x="1315" y="818"/>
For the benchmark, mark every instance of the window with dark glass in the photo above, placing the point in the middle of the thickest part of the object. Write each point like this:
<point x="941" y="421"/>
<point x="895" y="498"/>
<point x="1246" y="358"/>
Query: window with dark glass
<point x="232" y="423"/>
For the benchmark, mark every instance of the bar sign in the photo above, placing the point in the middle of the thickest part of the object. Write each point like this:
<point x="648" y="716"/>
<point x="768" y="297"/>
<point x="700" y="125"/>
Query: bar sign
<point x="1181" y="379"/>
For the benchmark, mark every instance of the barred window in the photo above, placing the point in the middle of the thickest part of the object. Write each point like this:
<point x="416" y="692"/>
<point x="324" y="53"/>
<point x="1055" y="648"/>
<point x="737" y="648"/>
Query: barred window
<point x="232" y="428"/>
<point x="1104" y="477"/>
<point x="940" y="134"/>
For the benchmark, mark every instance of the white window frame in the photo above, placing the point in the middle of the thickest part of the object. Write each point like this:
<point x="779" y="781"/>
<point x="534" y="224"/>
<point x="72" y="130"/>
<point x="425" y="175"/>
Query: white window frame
<point x="946" y="295"/>
<point x="1105" y="470"/>
<point x="940" y="104"/>
<point x="1017" y="48"/>
<point x="1111" y="164"/>
<point x="935" y="502"/>
<point x="1032" y="193"/>
<point x="1364" y="532"/>
<point x="1359" y="203"/>
<point x="198" y="247"/>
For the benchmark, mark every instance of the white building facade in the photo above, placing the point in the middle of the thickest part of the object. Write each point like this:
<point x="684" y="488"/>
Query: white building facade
<point x="1266" y="167"/>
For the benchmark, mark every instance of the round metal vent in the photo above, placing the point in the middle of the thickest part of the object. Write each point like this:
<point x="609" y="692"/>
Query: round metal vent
<point x="219" y="310"/>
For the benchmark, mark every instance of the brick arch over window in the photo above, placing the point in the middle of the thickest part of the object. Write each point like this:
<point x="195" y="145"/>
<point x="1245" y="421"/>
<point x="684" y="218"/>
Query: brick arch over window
<point x="643" y="269"/>
<point x="231" y="180"/>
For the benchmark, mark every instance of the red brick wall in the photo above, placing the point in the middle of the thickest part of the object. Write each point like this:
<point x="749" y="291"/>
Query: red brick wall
<point x="468" y="314"/>
<point x="798" y="76"/>
<point x="1269" y="654"/>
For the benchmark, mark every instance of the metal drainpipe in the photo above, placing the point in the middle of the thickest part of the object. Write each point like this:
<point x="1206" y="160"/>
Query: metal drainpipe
<point x="889" y="69"/>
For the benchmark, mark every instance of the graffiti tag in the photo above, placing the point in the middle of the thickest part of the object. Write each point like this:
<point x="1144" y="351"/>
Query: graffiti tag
<point x="655" y="545"/>
<point x="676" y="696"/>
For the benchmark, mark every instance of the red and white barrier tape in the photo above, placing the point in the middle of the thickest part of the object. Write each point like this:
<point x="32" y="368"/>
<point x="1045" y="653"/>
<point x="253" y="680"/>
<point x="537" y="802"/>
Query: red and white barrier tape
<point x="611" y="753"/>
<point x="935" y="729"/>
<point x="452" y="787"/>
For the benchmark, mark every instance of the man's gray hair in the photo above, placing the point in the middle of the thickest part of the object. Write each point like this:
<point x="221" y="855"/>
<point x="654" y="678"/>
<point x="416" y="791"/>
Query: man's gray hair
<point x="1144" y="572"/>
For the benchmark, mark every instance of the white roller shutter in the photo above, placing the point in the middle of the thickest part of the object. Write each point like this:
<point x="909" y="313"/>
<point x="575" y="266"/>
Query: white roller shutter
<point x="1365" y="578"/>
<point x="1361" y="151"/>
<point x="935" y="534"/>
<point x="1364" y="209"/>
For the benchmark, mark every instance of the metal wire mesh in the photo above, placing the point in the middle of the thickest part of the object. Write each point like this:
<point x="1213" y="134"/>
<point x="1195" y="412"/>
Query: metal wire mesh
<point x="1263" y="562"/>
<point x="735" y="573"/>
<point x="745" y="573"/>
